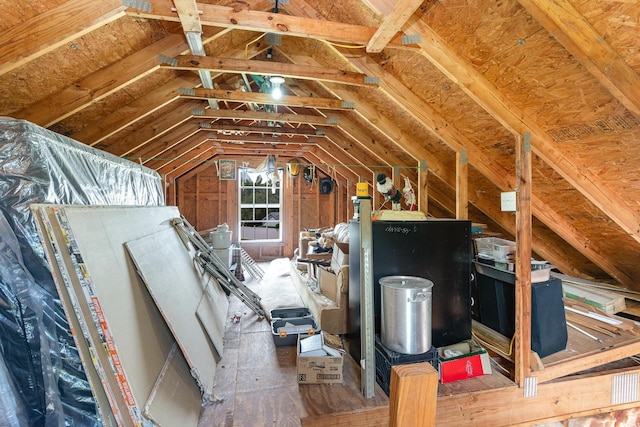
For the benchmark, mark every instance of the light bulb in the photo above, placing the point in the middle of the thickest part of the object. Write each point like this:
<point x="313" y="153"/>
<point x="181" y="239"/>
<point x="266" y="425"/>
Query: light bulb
<point x="276" y="93"/>
<point x="276" y="90"/>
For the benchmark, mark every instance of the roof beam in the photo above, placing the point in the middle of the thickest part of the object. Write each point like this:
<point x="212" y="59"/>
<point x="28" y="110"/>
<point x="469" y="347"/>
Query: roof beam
<point x="392" y="24"/>
<point x="124" y="145"/>
<point x="277" y="23"/>
<point x="226" y="126"/>
<point x="269" y="140"/>
<point x="101" y="84"/>
<point x="250" y="147"/>
<point x="483" y="92"/>
<point x="56" y="27"/>
<point x="452" y="137"/>
<point x="265" y="98"/>
<point x="268" y="68"/>
<point x="157" y="147"/>
<point x="574" y="32"/>
<point x="137" y="110"/>
<point x="270" y="117"/>
<point x="120" y="119"/>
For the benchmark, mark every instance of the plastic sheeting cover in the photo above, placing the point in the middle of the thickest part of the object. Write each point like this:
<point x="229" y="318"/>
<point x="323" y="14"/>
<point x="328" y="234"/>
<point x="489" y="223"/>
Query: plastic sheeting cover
<point x="42" y="382"/>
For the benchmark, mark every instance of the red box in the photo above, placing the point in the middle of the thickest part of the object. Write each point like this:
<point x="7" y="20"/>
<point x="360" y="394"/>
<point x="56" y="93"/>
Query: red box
<point x="468" y="365"/>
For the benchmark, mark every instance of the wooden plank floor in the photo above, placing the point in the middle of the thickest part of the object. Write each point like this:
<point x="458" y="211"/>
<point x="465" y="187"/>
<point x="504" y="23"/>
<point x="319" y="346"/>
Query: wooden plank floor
<point x="256" y="381"/>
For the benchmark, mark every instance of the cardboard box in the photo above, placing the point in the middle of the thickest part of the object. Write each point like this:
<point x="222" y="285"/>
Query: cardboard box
<point x="319" y="369"/>
<point x="469" y="365"/>
<point x="328" y="285"/>
<point x="343" y="246"/>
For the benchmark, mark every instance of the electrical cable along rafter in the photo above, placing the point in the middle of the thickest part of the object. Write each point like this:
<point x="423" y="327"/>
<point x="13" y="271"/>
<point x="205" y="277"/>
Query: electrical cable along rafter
<point x="214" y="266"/>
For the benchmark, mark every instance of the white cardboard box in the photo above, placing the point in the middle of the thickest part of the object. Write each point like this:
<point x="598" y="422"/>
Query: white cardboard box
<point x="319" y="369"/>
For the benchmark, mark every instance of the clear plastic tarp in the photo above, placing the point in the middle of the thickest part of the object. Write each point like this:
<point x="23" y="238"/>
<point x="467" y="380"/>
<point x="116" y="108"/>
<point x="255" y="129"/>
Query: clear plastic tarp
<point x="42" y="381"/>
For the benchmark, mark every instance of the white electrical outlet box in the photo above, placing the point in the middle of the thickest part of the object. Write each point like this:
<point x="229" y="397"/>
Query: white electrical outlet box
<point x="508" y="201"/>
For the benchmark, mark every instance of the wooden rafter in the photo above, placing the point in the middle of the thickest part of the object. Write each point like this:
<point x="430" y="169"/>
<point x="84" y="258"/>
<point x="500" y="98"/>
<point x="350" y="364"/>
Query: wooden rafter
<point x="159" y="146"/>
<point x="561" y="19"/>
<point x="448" y="133"/>
<point x="47" y="31"/>
<point x="101" y="84"/>
<point x="166" y="123"/>
<point x="476" y="86"/>
<point x="146" y="105"/>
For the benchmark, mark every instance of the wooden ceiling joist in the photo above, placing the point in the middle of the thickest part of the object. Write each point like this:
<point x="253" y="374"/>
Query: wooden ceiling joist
<point x="276" y="23"/>
<point x="269" y="130"/>
<point x="264" y="139"/>
<point x="262" y="116"/>
<point x="268" y="68"/>
<point x="265" y="98"/>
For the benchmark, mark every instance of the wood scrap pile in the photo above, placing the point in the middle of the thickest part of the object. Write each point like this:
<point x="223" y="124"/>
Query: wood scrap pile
<point x="589" y="320"/>
<point x="599" y="307"/>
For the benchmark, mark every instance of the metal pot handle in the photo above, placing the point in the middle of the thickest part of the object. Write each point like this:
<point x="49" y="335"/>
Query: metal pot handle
<point x="418" y="297"/>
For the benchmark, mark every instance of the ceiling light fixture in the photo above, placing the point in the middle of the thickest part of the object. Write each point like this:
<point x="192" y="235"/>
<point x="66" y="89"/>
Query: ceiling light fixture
<point x="276" y="90"/>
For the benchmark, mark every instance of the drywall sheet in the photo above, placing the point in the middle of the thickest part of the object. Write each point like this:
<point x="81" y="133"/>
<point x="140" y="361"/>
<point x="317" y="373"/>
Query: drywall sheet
<point x="175" y="398"/>
<point x="135" y="335"/>
<point x="178" y="288"/>
<point x="211" y="316"/>
<point x="110" y="408"/>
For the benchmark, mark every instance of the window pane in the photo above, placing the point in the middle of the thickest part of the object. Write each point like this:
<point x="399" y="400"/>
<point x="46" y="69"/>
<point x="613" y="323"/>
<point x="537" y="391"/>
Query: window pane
<point x="246" y="214"/>
<point x="261" y="214"/>
<point x="260" y="195"/>
<point x="246" y="195"/>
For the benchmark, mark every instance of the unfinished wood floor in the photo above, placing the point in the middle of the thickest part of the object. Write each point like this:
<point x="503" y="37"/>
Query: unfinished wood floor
<point x="256" y="382"/>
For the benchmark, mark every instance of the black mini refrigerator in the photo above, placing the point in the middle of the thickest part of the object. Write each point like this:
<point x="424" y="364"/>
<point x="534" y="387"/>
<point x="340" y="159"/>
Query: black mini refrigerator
<point x="435" y="249"/>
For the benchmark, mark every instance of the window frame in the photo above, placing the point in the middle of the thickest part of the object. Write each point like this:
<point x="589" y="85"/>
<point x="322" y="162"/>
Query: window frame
<point x="268" y="207"/>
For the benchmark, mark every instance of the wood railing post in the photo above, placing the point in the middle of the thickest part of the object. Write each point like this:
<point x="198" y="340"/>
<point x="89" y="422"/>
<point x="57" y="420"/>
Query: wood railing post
<point x="414" y="394"/>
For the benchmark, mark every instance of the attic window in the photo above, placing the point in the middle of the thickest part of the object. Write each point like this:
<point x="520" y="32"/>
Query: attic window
<point x="260" y="206"/>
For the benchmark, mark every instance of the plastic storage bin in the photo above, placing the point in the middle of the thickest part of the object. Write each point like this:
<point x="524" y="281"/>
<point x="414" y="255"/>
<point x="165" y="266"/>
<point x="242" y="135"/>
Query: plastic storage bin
<point x="296" y="326"/>
<point x="289" y="313"/>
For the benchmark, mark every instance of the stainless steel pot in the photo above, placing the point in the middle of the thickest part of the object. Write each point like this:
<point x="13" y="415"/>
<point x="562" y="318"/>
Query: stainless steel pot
<point x="406" y="314"/>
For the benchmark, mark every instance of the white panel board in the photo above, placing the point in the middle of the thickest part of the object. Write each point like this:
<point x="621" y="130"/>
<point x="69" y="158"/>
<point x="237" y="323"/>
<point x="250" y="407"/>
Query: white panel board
<point x="121" y="303"/>
<point x="178" y="288"/>
<point x="111" y="405"/>
<point x="175" y="399"/>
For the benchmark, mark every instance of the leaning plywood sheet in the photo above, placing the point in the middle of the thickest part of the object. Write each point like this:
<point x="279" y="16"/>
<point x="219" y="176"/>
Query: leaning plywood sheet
<point x="175" y="398"/>
<point x="135" y="334"/>
<point x="178" y="288"/>
<point x="110" y="408"/>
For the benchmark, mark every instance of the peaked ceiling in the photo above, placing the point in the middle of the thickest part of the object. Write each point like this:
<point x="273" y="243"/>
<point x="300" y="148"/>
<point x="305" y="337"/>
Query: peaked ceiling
<point x="369" y="85"/>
